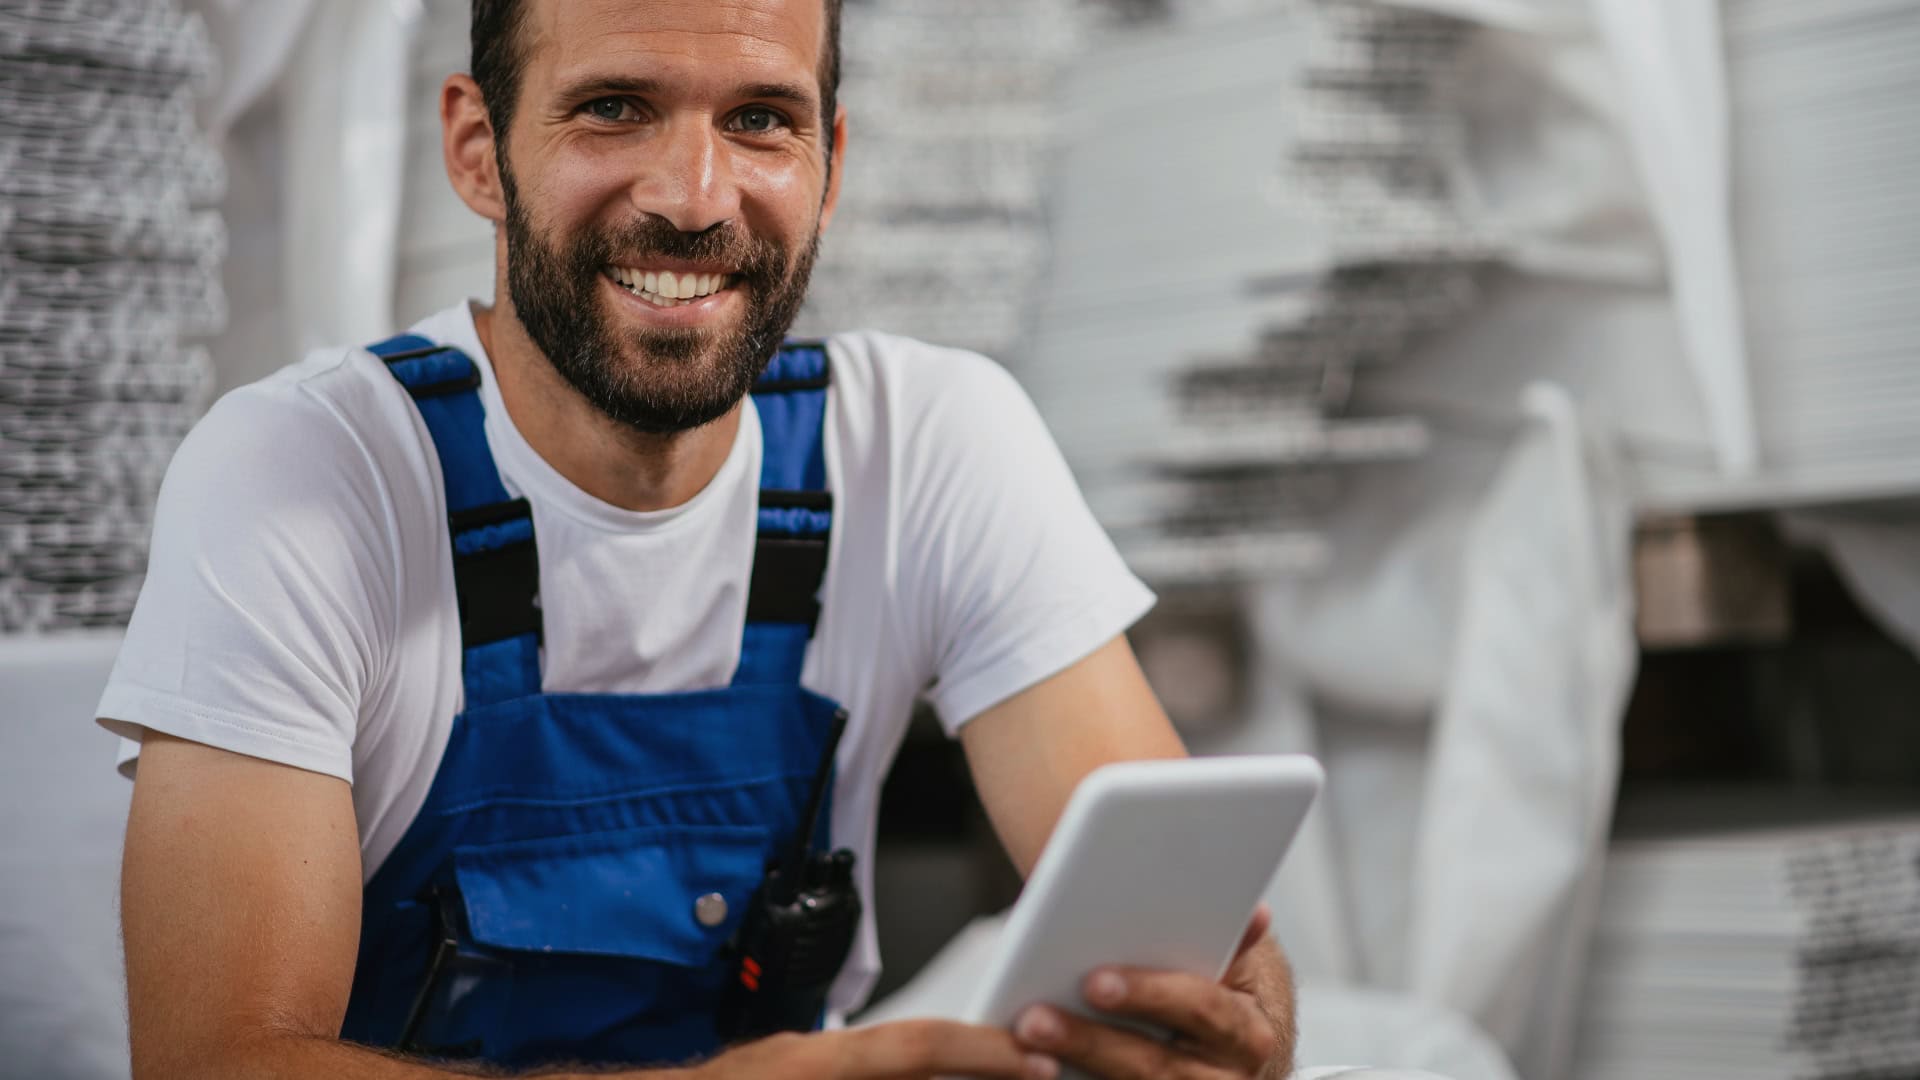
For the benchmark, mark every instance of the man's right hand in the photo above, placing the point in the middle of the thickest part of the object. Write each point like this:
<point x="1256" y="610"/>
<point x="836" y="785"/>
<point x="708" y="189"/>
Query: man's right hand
<point x="902" y="1050"/>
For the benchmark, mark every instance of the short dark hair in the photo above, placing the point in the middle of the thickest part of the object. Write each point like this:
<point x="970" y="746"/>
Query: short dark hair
<point x="498" y="58"/>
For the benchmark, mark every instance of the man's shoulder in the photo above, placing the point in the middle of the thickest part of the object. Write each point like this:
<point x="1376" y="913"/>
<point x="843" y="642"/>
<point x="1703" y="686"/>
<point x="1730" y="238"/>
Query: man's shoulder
<point x="333" y="397"/>
<point x="903" y="356"/>
<point x="932" y="420"/>
<point x="917" y="381"/>
<point x="325" y="424"/>
<point x="346" y="386"/>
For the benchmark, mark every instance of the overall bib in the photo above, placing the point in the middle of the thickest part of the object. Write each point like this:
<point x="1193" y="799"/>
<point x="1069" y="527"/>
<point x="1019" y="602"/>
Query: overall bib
<point x="568" y="889"/>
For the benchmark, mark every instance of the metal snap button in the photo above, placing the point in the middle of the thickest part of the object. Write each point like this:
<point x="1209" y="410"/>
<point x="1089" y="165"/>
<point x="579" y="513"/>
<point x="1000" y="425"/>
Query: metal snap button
<point x="711" y="910"/>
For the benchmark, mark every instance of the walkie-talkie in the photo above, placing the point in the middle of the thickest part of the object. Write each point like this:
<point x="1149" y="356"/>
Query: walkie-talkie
<point x="797" y="932"/>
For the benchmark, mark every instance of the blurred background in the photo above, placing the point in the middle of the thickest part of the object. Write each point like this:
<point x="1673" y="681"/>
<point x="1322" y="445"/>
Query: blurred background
<point x="1513" y="401"/>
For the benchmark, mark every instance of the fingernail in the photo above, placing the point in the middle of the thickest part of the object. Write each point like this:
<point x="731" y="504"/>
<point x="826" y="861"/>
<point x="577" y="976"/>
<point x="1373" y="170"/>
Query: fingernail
<point x="1041" y="1067"/>
<point x="1106" y="988"/>
<point x="1038" y="1026"/>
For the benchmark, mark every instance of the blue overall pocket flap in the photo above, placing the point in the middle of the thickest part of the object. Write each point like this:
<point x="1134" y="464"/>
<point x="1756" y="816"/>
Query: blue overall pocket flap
<point x="672" y="894"/>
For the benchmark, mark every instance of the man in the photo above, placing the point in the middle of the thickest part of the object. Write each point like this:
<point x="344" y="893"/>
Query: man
<point x="478" y="674"/>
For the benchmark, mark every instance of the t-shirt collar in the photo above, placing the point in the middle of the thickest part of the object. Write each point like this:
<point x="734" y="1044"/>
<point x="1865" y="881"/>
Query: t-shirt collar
<point x="527" y="474"/>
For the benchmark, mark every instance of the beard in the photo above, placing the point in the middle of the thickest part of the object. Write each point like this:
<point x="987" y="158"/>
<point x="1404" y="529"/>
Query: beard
<point x="653" y="380"/>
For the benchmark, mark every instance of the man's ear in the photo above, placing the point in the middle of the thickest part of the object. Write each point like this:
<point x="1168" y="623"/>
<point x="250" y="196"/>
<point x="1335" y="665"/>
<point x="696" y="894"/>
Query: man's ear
<point x="836" y="160"/>
<point x="467" y="142"/>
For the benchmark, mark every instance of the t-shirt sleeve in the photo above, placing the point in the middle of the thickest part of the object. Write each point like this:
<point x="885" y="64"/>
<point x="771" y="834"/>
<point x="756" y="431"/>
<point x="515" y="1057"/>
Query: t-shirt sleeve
<point x="1008" y="577"/>
<point x="269" y="588"/>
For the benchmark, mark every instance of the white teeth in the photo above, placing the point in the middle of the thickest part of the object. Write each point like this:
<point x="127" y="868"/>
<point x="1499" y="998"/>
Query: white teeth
<point x="668" y="289"/>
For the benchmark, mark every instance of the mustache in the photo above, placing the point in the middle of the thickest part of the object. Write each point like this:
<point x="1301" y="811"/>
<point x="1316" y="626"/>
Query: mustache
<point x="726" y="243"/>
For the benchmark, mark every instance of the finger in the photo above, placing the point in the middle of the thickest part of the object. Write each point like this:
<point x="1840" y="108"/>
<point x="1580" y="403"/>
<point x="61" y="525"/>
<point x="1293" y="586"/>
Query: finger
<point x="919" y="1048"/>
<point x="1256" y="931"/>
<point x="1226" y="1023"/>
<point x="1248" y="952"/>
<point x="1107" y="1051"/>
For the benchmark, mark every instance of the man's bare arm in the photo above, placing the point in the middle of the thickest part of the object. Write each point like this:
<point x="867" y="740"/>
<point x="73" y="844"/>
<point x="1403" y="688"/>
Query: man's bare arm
<point x="240" y="904"/>
<point x="1027" y="754"/>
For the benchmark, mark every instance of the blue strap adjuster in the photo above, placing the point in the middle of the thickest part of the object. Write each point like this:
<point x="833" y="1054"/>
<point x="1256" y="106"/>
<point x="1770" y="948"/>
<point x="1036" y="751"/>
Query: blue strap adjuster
<point x="432" y="371"/>
<point x="798" y="366"/>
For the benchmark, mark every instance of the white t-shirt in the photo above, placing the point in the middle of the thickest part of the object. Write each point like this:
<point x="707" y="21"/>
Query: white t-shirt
<point x="299" y="602"/>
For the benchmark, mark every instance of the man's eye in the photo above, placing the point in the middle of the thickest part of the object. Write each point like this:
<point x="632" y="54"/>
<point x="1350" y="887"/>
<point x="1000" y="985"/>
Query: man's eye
<point x="758" y="120"/>
<point x="611" y="108"/>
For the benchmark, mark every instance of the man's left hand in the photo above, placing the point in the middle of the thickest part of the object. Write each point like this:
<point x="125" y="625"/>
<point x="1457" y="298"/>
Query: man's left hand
<point x="1241" y="1026"/>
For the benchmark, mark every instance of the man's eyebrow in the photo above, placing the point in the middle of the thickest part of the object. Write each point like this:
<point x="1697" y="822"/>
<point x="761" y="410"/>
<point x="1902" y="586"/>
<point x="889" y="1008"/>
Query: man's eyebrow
<point x="790" y="93"/>
<point x="588" y="86"/>
<point x="592" y="86"/>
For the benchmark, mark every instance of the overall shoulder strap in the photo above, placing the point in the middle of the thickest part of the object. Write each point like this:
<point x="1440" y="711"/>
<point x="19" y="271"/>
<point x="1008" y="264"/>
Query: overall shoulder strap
<point x="795" y="519"/>
<point x="496" y="567"/>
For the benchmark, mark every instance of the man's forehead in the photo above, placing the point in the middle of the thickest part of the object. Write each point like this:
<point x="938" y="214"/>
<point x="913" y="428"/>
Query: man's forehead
<point x="758" y="37"/>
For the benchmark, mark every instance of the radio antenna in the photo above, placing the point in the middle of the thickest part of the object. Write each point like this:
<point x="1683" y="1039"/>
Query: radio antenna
<point x="822" y="776"/>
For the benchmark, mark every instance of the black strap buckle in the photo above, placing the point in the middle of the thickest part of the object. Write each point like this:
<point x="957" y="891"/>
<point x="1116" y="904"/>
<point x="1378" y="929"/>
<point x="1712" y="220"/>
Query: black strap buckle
<point x="788" y="570"/>
<point x="498" y="588"/>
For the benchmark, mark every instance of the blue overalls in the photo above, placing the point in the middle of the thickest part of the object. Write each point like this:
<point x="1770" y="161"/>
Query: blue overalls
<point x="567" y="891"/>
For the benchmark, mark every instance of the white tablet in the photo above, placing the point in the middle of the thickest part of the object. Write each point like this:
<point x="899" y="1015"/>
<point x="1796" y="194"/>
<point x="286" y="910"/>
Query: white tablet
<point x="1154" y="863"/>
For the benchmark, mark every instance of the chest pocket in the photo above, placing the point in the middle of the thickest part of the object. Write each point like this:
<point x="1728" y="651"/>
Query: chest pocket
<point x="600" y="943"/>
<point x="635" y="894"/>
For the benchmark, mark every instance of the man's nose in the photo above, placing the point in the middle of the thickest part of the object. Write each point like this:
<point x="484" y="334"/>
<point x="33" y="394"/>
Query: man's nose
<point x="687" y="177"/>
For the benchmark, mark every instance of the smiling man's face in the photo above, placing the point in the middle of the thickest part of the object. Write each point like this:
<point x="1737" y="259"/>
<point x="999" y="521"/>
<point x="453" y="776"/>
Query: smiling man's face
<point x="666" y="177"/>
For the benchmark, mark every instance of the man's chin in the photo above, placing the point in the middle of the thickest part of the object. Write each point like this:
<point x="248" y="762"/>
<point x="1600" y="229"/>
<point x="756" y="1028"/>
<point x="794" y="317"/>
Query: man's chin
<point x="649" y="420"/>
<point x="683" y="391"/>
<point x="650" y="354"/>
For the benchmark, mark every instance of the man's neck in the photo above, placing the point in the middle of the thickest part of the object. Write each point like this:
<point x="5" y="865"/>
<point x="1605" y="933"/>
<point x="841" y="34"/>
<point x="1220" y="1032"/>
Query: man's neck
<point x="604" y="458"/>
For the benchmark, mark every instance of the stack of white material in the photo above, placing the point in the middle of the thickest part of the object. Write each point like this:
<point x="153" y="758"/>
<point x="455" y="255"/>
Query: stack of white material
<point x="108" y="265"/>
<point x="939" y="231"/>
<point x="1350" y="254"/>
<point x="1757" y="950"/>
<point x="1826" y="172"/>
